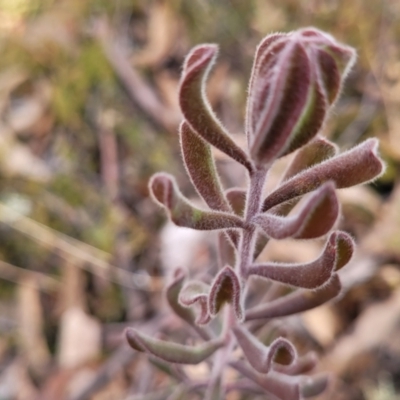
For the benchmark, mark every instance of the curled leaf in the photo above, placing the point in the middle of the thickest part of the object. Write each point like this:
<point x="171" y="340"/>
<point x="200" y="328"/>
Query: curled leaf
<point x="195" y="107"/>
<point x="262" y="48"/>
<point x="226" y="288"/>
<point x="296" y="302"/>
<point x="165" y="192"/>
<point x="259" y="356"/>
<point x="344" y="250"/>
<point x="315" y="219"/>
<point x="360" y="164"/>
<point x="313" y="153"/>
<point x="172" y="352"/>
<point x="311" y="275"/>
<point x="172" y="292"/>
<point x="300" y="365"/>
<point x="287" y="106"/>
<point x="196" y="292"/>
<point x="283" y="387"/>
<point x="200" y="166"/>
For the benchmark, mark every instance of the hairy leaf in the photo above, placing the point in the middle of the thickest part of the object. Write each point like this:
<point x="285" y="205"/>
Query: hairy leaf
<point x="251" y="110"/>
<point x="259" y="356"/>
<point x="333" y="59"/>
<point x="172" y="352"/>
<point x="283" y="387"/>
<point x="360" y="164"/>
<point x="172" y="294"/>
<point x="296" y="302"/>
<point x="165" y="192"/>
<point x="195" y="107"/>
<point x="226" y="288"/>
<point x="313" y="274"/>
<point x="196" y="292"/>
<point x="315" y="219"/>
<point x="300" y="365"/>
<point x="313" y="153"/>
<point x="237" y="200"/>
<point x="201" y="169"/>
<point x="294" y="106"/>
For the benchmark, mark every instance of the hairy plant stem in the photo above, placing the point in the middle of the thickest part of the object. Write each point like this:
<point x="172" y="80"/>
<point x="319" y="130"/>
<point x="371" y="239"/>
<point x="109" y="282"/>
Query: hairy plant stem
<point x="245" y="254"/>
<point x="248" y="236"/>
<point x="222" y="357"/>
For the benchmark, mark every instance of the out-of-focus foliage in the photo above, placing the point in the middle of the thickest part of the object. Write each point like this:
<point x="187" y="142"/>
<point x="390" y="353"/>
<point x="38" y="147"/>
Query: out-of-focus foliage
<point x="88" y="111"/>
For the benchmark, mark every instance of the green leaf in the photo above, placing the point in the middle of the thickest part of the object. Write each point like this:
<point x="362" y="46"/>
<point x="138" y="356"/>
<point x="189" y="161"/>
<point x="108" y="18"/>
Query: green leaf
<point x="172" y="352"/>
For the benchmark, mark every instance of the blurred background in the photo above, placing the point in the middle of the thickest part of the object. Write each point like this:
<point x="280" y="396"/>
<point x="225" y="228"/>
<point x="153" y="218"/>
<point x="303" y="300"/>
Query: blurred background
<point x="88" y="111"/>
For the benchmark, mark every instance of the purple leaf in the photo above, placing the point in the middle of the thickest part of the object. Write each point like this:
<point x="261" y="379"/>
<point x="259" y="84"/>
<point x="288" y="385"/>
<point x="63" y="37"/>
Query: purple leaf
<point x="360" y="164"/>
<point x="295" y="77"/>
<point x="165" y="192"/>
<point x="283" y="387"/>
<point x="172" y="352"/>
<point x="195" y="107"/>
<point x="334" y="60"/>
<point x="287" y="106"/>
<point x="262" y="48"/>
<point x="259" y="356"/>
<point x="237" y="200"/>
<point x="313" y="274"/>
<point x="226" y="288"/>
<point x="200" y="166"/>
<point x="344" y="249"/>
<point x="300" y="365"/>
<point x="315" y="152"/>
<point x="315" y="219"/>
<point x="172" y="294"/>
<point x="196" y="292"/>
<point x="296" y="302"/>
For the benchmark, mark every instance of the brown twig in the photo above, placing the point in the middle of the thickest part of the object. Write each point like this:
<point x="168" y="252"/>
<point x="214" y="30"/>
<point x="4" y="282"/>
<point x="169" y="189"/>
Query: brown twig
<point x="139" y="91"/>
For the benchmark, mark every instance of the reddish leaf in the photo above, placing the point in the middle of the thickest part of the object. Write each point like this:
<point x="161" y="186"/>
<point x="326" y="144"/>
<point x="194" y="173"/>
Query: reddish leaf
<point x="293" y="106"/>
<point x="315" y="219"/>
<point x="172" y="294"/>
<point x="200" y="166"/>
<point x="343" y="57"/>
<point x="296" y="302"/>
<point x="259" y="356"/>
<point x="283" y="387"/>
<point x="315" y="152"/>
<point x="226" y="288"/>
<point x="262" y="49"/>
<point x="195" y="107"/>
<point x="165" y="192"/>
<point x="196" y="292"/>
<point x="313" y="274"/>
<point x="300" y="365"/>
<point x="360" y="164"/>
<point x="237" y="200"/>
<point x="344" y="250"/>
<point x="172" y="352"/>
